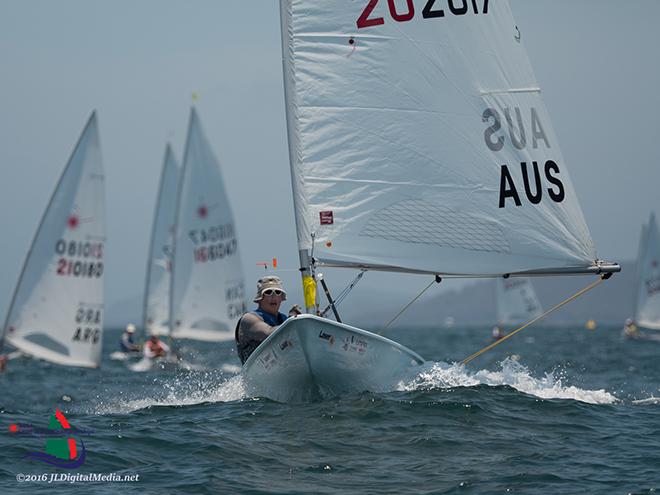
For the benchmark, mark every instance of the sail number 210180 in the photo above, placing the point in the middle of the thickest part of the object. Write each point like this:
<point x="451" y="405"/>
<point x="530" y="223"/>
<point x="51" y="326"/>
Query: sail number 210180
<point x="432" y="9"/>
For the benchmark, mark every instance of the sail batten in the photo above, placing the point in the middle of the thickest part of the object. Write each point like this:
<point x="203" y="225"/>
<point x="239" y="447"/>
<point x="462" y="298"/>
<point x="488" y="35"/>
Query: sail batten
<point x="511" y="91"/>
<point x="425" y="147"/>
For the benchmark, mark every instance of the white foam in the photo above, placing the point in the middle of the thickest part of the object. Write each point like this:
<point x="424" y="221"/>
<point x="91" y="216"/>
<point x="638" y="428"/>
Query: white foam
<point x="654" y="401"/>
<point x="179" y="392"/>
<point x="119" y="356"/>
<point x="513" y="374"/>
<point x="231" y="368"/>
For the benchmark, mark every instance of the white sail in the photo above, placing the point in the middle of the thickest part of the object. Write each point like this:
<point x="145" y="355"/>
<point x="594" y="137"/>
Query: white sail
<point x="647" y="287"/>
<point x="56" y="313"/>
<point x="516" y="301"/>
<point x="419" y="141"/>
<point x="159" y="265"/>
<point x="208" y="288"/>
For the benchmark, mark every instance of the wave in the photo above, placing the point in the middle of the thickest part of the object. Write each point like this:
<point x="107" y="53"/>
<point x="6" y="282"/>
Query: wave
<point x="211" y="387"/>
<point x="178" y="392"/>
<point x="443" y="375"/>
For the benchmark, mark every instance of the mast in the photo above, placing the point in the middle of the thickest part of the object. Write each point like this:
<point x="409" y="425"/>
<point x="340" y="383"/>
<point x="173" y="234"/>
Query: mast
<point x="176" y="223"/>
<point x="641" y="254"/>
<point x="297" y="182"/>
<point x="159" y="202"/>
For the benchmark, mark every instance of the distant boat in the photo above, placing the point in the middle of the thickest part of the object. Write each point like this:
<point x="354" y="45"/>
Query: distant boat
<point x="647" y="278"/>
<point x="56" y="312"/>
<point x="516" y="301"/>
<point x="159" y="265"/>
<point x="207" y="294"/>
<point x="414" y="147"/>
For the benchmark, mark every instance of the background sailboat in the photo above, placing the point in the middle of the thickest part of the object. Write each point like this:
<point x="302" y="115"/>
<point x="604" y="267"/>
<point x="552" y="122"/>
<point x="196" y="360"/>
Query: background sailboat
<point x="516" y="301"/>
<point x="418" y="143"/>
<point x="207" y="293"/>
<point x="56" y="311"/>
<point x="159" y="265"/>
<point x="647" y="281"/>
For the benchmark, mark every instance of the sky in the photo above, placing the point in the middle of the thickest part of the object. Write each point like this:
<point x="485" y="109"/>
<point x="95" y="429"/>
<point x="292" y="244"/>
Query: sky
<point x="138" y="64"/>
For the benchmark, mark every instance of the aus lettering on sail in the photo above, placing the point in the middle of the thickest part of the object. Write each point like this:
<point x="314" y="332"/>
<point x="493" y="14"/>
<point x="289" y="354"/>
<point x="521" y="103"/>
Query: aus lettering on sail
<point x="523" y="131"/>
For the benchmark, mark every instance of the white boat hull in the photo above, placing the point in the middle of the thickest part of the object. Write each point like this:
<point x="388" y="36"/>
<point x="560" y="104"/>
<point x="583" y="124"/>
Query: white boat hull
<point x="204" y="335"/>
<point x="308" y="358"/>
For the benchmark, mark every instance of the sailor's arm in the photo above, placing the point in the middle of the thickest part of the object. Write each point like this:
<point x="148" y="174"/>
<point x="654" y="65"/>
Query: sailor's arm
<point x="254" y="328"/>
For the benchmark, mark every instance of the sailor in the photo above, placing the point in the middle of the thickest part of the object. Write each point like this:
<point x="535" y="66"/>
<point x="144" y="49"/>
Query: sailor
<point x="253" y="327"/>
<point x="497" y="332"/>
<point x="127" y="344"/>
<point x="155" y="348"/>
<point x="630" y="330"/>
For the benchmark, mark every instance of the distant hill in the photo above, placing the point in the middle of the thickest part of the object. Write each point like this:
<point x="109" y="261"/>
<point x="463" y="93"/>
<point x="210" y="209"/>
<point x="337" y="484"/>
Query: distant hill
<point x="475" y="304"/>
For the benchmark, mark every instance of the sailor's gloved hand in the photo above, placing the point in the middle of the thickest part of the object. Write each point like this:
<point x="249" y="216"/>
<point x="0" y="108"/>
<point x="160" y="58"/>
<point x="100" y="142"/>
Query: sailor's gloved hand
<point x="295" y="310"/>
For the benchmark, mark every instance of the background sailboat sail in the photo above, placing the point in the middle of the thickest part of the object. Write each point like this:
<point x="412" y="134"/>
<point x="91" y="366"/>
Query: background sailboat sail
<point x="56" y="312"/>
<point x="647" y="288"/>
<point x="208" y="288"/>
<point x="516" y="301"/>
<point x="159" y="266"/>
<point x="419" y="142"/>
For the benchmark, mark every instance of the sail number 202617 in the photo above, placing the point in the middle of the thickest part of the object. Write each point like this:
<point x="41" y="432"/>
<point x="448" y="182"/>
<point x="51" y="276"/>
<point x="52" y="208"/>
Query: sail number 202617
<point x="404" y="10"/>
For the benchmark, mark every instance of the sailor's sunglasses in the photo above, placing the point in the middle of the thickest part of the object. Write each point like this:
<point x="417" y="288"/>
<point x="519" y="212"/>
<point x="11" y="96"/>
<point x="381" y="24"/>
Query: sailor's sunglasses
<point x="270" y="292"/>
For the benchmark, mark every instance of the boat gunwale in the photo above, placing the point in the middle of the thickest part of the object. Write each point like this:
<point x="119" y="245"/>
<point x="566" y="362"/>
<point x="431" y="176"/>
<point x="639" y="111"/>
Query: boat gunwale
<point x="260" y="350"/>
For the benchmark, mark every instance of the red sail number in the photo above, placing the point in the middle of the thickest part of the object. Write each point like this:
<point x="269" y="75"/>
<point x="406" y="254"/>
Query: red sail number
<point x="364" y="21"/>
<point x="456" y="7"/>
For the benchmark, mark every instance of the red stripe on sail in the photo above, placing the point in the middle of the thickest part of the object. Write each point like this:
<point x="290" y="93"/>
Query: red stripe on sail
<point x="60" y="417"/>
<point x="72" y="448"/>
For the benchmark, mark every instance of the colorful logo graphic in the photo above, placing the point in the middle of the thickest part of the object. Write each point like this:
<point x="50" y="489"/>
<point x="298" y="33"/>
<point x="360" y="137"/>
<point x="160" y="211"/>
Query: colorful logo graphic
<point x="61" y="442"/>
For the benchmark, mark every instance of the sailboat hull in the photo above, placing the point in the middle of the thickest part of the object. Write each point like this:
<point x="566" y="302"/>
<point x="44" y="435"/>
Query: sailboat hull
<point x="204" y="335"/>
<point x="308" y="358"/>
<point x="29" y="348"/>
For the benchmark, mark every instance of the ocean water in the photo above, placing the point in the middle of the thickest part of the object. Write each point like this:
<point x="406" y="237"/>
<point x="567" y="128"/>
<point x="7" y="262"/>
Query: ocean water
<point x="554" y="410"/>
